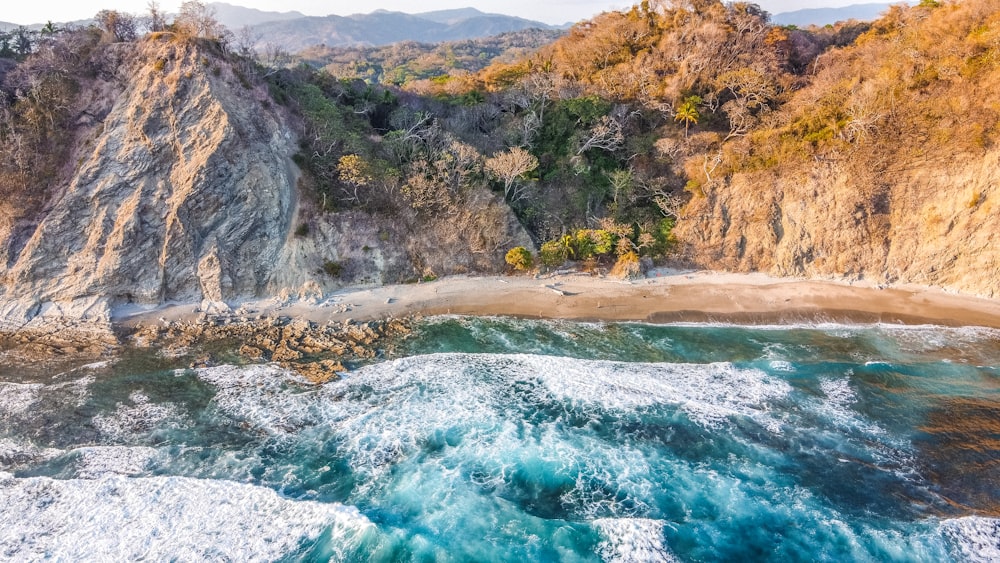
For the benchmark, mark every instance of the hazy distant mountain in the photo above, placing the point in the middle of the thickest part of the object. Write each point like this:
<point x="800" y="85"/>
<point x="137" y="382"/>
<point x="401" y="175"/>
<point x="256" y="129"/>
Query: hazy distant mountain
<point x="451" y="16"/>
<point x="383" y="27"/>
<point x="235" y="17"/>
<point x="823" y="16"/>
<point x="6" y="26"/>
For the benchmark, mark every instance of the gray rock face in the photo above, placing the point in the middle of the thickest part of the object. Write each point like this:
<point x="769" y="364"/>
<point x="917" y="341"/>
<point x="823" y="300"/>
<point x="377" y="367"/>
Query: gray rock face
<point x="186" y="193"/>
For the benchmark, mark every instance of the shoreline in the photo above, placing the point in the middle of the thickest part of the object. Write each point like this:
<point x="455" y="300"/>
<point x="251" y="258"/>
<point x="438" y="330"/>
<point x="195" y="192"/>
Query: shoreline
<point x="664" y="296"/>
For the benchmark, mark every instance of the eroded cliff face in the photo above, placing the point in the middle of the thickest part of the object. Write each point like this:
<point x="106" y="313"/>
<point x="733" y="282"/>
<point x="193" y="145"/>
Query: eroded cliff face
<point x="184" y="189"/>
<point x="184" y="192"/>
<point x="933" y="222"/>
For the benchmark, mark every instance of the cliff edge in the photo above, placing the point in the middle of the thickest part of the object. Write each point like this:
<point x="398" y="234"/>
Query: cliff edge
<point x="182" y="188"/>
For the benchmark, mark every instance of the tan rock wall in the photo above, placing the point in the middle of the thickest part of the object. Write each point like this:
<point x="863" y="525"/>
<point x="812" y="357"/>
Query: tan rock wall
<point x="931" y="223"/>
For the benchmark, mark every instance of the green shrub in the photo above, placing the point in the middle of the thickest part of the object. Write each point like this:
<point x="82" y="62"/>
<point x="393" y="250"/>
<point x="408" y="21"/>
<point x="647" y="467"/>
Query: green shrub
<point x="588" y="243"/>
<point x="332" y="269"/>
<point x="302" y="230"/>
<point x="552" y="253"/>
<point x="520" y="258"/>
<point x="664" y="236"/>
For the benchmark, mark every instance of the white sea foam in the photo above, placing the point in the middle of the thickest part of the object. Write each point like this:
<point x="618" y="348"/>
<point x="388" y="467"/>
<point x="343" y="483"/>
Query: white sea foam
<point x="270" y="398"/>
<point x="78" y="388"/>
<point x="632" y="540"/>
<point x="98" y="461"/>
<point x="709" y="393"/>
<point x="836" y="409"/>
<point x="838" y="392"/>
<point x="14" y="454"/>
<point x="118" y="518"/>
<point x="141" y="417"/>
<point x="781" y="365"/>
<point x="973" y="538"/>
<point x="382" y="414"/>
<point x="17" y="398"/>
<point x="96" y="365"/>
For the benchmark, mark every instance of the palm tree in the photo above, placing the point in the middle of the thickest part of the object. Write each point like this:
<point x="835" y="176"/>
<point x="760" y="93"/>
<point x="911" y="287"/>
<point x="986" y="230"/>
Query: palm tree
<point x="688" y="112"/>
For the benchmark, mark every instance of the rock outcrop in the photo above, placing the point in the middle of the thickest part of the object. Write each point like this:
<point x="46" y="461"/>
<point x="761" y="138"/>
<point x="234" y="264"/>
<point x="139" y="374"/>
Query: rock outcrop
<point x="929" y="223"/>
<point x="317" y="352"/>
<point x="186" y="192"/>
<point x="183" y="189"/>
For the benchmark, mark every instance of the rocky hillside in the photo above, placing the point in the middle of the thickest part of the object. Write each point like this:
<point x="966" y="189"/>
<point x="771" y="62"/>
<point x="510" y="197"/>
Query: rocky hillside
<point x="170" y="169"/>
<point x="884" y="168"/>
<point x="181" y="187"/>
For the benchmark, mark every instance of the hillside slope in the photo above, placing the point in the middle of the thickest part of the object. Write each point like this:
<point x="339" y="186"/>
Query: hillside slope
<point x="185" y="190"/>
<point x="885" y="168"/>
<point x="825" y="16"/>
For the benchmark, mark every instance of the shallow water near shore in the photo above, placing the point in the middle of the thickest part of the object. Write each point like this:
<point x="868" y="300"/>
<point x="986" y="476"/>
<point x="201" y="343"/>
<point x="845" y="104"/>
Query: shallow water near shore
<point x="510" y="440"/>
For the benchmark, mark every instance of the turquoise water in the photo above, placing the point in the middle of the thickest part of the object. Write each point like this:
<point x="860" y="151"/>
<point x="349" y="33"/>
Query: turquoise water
<point x="507" y="440"/>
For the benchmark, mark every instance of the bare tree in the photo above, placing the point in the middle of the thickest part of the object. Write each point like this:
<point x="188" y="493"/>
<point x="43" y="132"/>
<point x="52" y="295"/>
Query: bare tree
<point x="118" y="27"/>
<point x="274" y="58"/>
<point x="510" y="167"/>
<point x="156" y="20"/>
<point x="198" y="20"/>
<point x="609" y="131"/>
<point x="670" y="205"/>
<point x="864" y="111"/>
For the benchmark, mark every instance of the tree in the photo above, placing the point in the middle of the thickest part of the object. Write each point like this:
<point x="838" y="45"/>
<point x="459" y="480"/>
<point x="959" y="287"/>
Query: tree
<point x="6" y="46"/>
<point x="273" y="58"/>
<point x="355" y="173"/>
<point x="198" y="20"/>
<point x="687" y="112"/>
<point x="552" y="254"/>
<point x="509" y="167"/>
<point x="752" y="93"/>
<point x="156" y="20"/>
<point x="609" y="131"/>
<point x="622" y="183"/>
<point x="118" y="27"/>
<point x="22" y="42"/>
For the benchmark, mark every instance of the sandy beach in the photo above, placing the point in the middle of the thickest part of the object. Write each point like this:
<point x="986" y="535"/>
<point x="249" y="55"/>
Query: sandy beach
<point x="664" y="296"/>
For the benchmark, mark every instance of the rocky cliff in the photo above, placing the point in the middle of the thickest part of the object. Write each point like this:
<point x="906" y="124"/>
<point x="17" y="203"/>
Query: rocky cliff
<point x="932" y="223"/>
<point x="184" y="190"/>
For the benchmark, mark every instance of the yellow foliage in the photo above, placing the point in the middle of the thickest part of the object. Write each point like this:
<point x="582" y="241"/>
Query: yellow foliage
<point x="627" y="266"/>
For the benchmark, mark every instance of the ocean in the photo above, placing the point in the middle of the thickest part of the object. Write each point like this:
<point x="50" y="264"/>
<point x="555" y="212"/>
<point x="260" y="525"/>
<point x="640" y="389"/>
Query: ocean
<point x="487" y="439"/>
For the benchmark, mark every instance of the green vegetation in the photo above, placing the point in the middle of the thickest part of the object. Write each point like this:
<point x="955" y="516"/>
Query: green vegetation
<point x="424" y="67"/>
<point x="332" y="269"/>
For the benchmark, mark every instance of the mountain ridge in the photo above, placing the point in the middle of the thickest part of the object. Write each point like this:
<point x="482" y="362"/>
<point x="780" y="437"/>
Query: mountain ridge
<point x="234" y="16"/>
<point x="826" y="16"/>
<point x="386" y="27"/>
